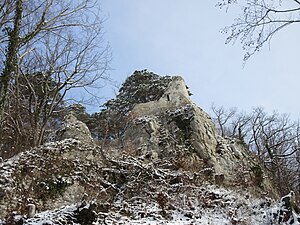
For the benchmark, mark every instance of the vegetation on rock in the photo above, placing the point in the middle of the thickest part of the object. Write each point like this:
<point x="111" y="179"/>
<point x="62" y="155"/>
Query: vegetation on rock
<point x="170" y="164"/>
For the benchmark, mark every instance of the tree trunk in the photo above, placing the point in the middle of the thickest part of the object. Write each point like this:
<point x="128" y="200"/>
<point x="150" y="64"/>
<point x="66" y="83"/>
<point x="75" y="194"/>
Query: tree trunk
<point x="11" y="61"/>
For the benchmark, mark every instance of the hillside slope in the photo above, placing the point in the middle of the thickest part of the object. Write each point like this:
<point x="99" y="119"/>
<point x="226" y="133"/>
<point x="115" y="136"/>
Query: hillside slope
<point x="172" y="168"/>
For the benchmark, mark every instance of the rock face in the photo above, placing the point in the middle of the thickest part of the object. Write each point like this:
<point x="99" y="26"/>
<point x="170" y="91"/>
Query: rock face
<point x="173" y="127"/>
<point x="172" y="162"/>
<point x="172" y="116"/>
<point x="175" y="95"/>
<point x="51" y="176"/>
<point x="75" y="129"/>
<point x="173" y="119"/>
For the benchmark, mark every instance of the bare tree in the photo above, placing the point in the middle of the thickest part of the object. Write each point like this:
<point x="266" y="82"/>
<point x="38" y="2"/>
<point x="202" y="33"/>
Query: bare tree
<point x="259" y="119"/>
<point x="222" y="118"/>
<point x="273" y="137"/>
<point x="30" y="23"/>
<point x="259" y="21"/>
<point x="48" y="47"/>
<point x="11" y="57"/>
<point x="240" y="126"/>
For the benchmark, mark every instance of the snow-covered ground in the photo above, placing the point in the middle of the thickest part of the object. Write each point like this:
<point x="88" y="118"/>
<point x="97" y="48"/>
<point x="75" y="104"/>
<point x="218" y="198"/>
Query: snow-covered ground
<point x="219" y="207"/>
<point x="140" y="193"/>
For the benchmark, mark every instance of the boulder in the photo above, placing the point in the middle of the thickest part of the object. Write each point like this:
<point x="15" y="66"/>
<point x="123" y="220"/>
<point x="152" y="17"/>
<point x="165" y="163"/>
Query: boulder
<point x="289" y="210"/>
<point x="75" y="129"/>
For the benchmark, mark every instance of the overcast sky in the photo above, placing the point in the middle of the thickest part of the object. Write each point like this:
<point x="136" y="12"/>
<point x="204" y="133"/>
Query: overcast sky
<point x="176" y="37"/>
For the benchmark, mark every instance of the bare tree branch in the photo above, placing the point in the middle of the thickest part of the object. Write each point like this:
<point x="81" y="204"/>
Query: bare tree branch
<point x="258" y="23"/>
<point x="53" y="47"/>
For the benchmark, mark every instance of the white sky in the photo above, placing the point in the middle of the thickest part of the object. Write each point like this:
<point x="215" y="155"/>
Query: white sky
<point x="176" y="37"/>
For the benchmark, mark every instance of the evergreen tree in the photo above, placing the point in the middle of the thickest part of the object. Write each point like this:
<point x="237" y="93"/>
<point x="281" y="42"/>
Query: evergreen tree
<point x="141" y="87"/>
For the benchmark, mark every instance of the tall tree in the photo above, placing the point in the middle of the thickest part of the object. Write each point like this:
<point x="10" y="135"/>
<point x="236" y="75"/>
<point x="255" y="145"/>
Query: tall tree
<point x="11" y="55"/>
<point x="47" y="48"/>
<point x="259" y="21"/>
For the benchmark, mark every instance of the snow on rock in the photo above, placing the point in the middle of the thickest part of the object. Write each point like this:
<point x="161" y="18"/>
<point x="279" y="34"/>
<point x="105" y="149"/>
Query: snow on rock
<point x="126" y="190"/>
<point x="76" y="214"/>
<point x="218" y="206"/>
<point x="173" y="168"/>
<point x="288" y="211"/>
<point x="75" y="129"/>
<point x="49" y="176"/>
<point x="174" y="127"/>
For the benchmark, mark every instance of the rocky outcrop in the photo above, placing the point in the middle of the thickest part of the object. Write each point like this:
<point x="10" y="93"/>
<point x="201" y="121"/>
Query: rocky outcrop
<point x="75" y="129"/>
<point x="187" y="128"/>
<point x="172" y="163"/>
<point x="175" y="96"/>
<point x="173" y="127"/>
<point x="172" y="120"/>
<point x="51" y="176"/>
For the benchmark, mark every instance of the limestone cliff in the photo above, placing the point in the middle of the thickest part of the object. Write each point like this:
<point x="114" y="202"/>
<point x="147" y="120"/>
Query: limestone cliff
<point x="175" y="117"/>
<point x="172" y="162"/>
<point x="173" y="127"/>
<point x="174" y="96"/>
<point x="73" y="128"/>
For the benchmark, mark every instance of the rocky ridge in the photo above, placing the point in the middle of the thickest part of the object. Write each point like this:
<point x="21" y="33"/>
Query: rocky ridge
<point x="173" y="167"/>
<point x="174" y="126"/>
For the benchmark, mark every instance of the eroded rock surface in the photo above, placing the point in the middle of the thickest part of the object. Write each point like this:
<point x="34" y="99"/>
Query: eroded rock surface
<point x="50" y="176"/>
<point x="172" y="164"/>
<point x="75" y="129"/>
<point x="173" y="119"/>
<point x="174" y="127"/>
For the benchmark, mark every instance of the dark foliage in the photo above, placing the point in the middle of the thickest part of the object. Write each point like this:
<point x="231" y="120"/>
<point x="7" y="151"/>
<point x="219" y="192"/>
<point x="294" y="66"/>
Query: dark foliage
<point x="141" y="87"/>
